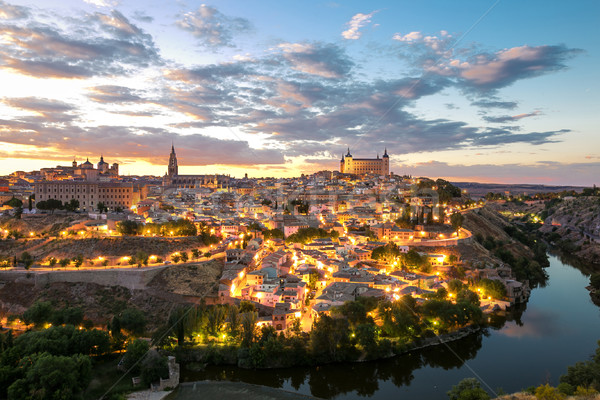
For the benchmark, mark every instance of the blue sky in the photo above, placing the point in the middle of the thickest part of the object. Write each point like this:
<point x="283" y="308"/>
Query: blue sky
<point x="493" y="91"/>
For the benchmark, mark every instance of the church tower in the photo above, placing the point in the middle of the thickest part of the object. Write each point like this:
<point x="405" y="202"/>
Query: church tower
<point x="172" y="169"/>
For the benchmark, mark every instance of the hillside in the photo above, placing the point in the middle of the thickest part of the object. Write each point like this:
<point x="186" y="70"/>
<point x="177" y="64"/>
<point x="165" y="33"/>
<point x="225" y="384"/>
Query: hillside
<point x="574" y="226"/>
<point x="90" y="248"/>
<point x="169" y="287"/>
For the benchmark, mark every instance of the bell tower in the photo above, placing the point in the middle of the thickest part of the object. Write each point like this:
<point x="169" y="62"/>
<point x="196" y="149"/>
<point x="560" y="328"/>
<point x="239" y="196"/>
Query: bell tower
<point x="172" y="169"/>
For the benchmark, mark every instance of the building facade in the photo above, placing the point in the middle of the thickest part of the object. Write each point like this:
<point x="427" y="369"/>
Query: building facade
<point x="113" y="194"/>
<point x="363" y="166"/>
<point x="173" y="180"/>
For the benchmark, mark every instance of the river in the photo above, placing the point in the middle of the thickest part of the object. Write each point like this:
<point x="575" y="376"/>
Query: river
<point x="558" y="327"/>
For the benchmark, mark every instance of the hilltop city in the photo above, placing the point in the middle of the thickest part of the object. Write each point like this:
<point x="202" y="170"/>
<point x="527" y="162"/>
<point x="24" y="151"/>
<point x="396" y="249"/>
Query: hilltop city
<point x="348" y="265"/>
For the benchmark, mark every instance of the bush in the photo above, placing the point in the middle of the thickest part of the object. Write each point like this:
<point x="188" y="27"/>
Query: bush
<point x="547" y="392"/>
<point x="595" y="280"/>
<point x="468" y="389"/>
<point x="565" y="388"/>
<point x="153" y="367"/>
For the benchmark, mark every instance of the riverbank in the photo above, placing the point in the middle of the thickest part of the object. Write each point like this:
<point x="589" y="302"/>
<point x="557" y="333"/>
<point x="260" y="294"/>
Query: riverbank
<point x="231" y="391"/>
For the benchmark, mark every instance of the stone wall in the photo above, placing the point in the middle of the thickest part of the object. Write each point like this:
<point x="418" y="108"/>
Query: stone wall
<point x="130" y="278"/>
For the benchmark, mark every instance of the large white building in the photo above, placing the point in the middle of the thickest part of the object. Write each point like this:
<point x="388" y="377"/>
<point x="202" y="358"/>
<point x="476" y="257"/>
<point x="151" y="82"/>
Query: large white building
<point x="363" y="166"/>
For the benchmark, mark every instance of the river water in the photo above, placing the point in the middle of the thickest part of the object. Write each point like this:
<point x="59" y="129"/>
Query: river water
<point x="558" y="327"/>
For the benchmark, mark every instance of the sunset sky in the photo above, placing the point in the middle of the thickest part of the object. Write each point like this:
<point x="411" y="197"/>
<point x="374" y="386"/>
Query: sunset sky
<point x="491" y="91"/>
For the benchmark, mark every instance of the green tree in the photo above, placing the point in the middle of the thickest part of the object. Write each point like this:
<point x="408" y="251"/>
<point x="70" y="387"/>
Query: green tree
<point x="493" y="288"/>
<point x="153" y="367"/>
<point x="248" y="331"/>
<point x="39" y="313"/>
<point x="133" y="320"/>
<point x="52" y="262"/>
<point x="129" y="228"/>
<point x="78" y="260"/>
<point x="101" y="207"/>
<point x="64" y="262"/>
<point x="72" y="205"/>
<point x="175" y="258"/>
<point x="329" y="338"/>
<point x="468" y="389"/>
<point x="27" y="259"/>
<point x="456" y="220"/>
<point x="52" y="377"/>
<point x="136" y="351"/>
<point x="195" y="254"/>
<point x="595" y="280"/>
<point x="184" y="256"/>
<point x="14" y="203"/>
<point x="50" y="204"/>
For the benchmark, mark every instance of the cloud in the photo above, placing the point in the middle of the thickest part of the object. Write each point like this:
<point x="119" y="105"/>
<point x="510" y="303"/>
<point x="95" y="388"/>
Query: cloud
<point x="511" y="118"/>
<point x="495" y="137"/>
<point x="503" y="68"/>
<point x="9" y="11"/>
<point x="141" y="143"/>
<point x="96" y="45"/>
<point x="354" y="25"/>
<point x="509" y="105"/>
<point x="477" y="71"/>
<point x="324" y="60"/>
<point x="211" y="27"/>
<point x="102" y="3"/>
<point x="409" y="37"/>
<point x="113" y="94"/>
<point x="584" y="174"/>
<point x="51" y="110"/>
<point x="142" y="16"/>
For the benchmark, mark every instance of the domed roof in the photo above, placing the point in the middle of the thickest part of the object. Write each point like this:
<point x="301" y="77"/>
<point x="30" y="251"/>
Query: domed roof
<point x="87" y="164"/>
<point x="102" y="162"/>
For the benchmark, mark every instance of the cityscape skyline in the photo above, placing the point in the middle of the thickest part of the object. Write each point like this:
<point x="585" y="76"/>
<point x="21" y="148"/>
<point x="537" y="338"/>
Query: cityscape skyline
<point x="461" y="91"/>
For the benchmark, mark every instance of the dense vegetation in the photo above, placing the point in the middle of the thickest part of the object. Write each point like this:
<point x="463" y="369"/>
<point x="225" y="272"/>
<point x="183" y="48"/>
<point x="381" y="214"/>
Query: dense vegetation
<point x="307" y="235"/>
<point x="363" y="329"/>
<point x="55" y="358"/>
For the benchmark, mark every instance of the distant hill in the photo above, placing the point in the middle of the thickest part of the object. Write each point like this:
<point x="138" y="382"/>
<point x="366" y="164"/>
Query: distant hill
<point x="476" y="189"/>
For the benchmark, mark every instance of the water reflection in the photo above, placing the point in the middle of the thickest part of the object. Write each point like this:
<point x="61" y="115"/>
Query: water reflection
<point x="363" y="379"/>
<point x="540" y="323"/>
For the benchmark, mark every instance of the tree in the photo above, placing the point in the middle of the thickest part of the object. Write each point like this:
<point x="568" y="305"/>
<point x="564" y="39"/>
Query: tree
<point x="153" y="367"/>
<point x="248" y="320"/>
<point x="64" y="262"/>
<point x="175" y="258"/>
<point x="49" y="376"/>
<point x="273" y="234"/>
<point x="195" y="254"/>
<point x="595" y="280"/>
<point x="39" y="313"/>
<point x="133" y="320"/>
<point x="184" y="256"/>
<point x="136" y="351"/>
<point x="14" y="203"/>
<point x="78" y="260"/>
<point x="141" y="257"/>
<point x="52" y="262"/>
<point x="492" y="288"/>
<point x="30" y="202"/>
<point x="50" y="204"/>
<point x="456" y="220"/>
<point x="129" y="228"/>
<point x="101" y="207"/>
<point x="72" y="205"/>
<point x="26" y="259"/>
<point x="468" y="389"/>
